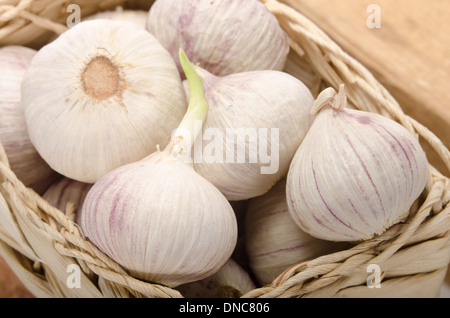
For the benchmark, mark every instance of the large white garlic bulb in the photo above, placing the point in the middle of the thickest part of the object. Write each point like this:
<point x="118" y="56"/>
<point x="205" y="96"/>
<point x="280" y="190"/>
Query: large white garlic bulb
<point x="223" y="37"/>
<point x="255" y="123"/>
<point x="23" y="158"/>
<point x="355" y="174"/>
<point x="157" y="217"/>
<point x="101" y="95"/>
<point x="274" y="241"/>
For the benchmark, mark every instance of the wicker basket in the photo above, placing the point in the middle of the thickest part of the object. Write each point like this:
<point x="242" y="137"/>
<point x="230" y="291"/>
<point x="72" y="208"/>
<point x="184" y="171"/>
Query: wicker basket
<point x="41" y="241"/>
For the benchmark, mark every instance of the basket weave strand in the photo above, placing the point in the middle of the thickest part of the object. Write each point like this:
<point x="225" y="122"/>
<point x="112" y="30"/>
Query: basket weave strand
<point x="413" y="255"/>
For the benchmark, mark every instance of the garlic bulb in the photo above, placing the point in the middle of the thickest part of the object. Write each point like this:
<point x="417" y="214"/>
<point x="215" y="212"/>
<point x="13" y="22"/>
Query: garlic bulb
<point x="273" y="240"/>
<point x="103" y="94"/>
<point x="23" y="158"/>
<point x="255" y="123"/>
<point x="157" y="217"/>
<point x="139" y="17"/>
<point x="355" y="174"/>
<point x="67" y="191"/>
<point x="231" y="281"/>
<point x="223" y="37"/>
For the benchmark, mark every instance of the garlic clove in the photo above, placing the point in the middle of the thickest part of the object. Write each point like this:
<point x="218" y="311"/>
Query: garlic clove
<point x="224" y="37"/>
<point x="355" y="174"/>
<point x="67" y="193"/>
<point x="23" y="158"/>
<point x="101" y="95"/>
<point x="274" y="241"/>
<point x="231" y="281"/>
<point x="254" y="126"/>
<point x="157" y="217"/>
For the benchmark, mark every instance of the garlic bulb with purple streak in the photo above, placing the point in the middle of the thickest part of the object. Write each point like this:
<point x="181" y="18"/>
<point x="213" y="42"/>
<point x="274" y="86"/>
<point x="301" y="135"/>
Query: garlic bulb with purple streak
<point x="157" y="217"/>
<point x="223" y="37"/>
<point x="24" y="160"/>
<point x="356" y="173"/>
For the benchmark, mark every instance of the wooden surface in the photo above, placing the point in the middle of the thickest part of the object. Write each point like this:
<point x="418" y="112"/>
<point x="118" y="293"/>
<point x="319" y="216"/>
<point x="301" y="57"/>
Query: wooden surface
<point x="409" y="54"/>
<point x="10" y="286"/>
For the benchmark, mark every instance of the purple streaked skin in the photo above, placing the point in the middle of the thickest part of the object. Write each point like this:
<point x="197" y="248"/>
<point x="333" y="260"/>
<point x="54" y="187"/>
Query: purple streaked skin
<point x="215" y="45"/>
<point x="105" y="183"/>
<point x="324" y="202"/>
<point x="277" y="212"/>
<point x="408" y="172"/>
<point x="396" y="145"/>
<point x="369" y="177"/>
<point x="399" y="144"/>
<point x="393" y="141"/>
<point x="358" y="181"/>
<point x="117" y="213"/>
<point x="324" y="224"/>
<point x="119" y="220"/>
<point x="366" y="120"/>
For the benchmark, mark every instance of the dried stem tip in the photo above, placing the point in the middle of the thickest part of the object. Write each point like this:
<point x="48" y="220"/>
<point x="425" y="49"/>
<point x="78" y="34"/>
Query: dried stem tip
<point x="329" y="97"/>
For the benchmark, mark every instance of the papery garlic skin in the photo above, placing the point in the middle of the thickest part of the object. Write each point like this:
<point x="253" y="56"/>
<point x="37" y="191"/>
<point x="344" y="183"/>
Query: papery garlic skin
<point x="269" y="102"/>
<point x="23" y="158"/>
<point x="67" y="191"/>
<point x="223" y="37"/>
<point x="355" y="174"/>
<point x="239" y="253"/>
<point x="231" y="281"/>
<point x="101" y="95"/>
<point x="139" y="17"/>
<point x="161" y="221"/>
<point x="273" y="240"/>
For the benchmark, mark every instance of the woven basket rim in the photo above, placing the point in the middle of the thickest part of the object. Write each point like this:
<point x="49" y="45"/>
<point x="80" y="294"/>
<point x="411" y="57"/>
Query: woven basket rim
<point x="426" y="228"/>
